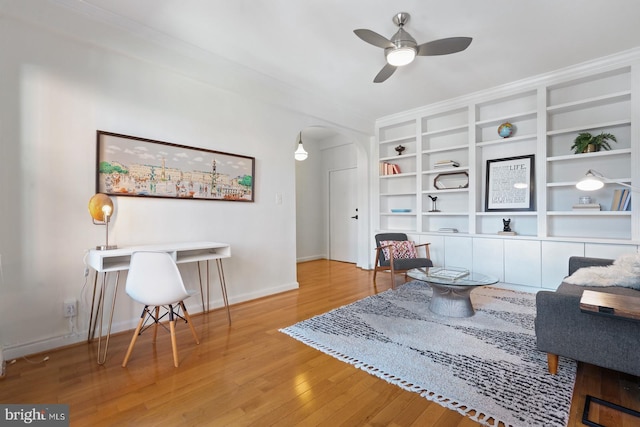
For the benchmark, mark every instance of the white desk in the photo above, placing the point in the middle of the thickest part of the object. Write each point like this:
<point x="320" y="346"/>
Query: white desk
<point x="117" y="260"/>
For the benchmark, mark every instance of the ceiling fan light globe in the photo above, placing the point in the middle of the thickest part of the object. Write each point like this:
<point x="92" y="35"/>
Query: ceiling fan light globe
<point x="401" y="56"/>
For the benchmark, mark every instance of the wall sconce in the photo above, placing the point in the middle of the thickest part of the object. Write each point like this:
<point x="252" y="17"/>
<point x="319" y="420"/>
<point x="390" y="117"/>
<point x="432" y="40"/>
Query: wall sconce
<point x="594" y="180"/>
<point x="300" y="154"/>
<point x="101" y="210"/>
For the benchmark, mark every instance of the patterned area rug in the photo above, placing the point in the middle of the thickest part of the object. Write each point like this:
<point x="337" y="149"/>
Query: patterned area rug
<point x="486" y="366"/>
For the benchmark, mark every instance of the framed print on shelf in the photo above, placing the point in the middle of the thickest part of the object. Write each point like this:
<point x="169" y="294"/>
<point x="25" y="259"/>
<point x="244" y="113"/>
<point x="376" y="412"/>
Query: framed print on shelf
<point x="133" y="166"/>
<point x="510" y="184"/>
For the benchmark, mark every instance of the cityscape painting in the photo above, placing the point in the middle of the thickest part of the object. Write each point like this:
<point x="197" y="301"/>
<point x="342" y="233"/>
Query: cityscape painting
<point x="132" y="166"/>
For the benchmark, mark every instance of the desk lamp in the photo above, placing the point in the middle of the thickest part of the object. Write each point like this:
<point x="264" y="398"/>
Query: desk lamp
<point x="594" y="180"/>
<point x="101" y="210"/>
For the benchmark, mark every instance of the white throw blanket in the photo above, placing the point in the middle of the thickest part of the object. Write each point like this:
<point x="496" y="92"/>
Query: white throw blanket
<point x="625" y="272"/>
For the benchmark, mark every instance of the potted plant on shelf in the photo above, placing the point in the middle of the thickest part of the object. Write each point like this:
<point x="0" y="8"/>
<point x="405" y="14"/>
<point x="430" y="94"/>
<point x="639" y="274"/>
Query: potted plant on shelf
<point x="587" y="143"/>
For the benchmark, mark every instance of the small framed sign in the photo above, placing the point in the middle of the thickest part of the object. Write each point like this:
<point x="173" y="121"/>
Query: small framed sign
<point x="510" y="184"/>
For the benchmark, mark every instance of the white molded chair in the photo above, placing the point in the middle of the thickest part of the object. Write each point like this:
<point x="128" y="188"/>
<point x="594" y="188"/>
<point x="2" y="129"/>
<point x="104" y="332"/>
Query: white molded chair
<point x="155" y="281"/>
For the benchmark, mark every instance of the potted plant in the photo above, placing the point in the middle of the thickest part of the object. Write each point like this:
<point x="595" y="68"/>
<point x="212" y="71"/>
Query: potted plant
<point x="587" y="143"/>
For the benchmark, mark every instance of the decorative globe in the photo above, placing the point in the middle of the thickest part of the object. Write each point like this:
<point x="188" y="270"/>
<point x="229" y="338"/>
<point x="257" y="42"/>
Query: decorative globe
<point x="505" y="130"/>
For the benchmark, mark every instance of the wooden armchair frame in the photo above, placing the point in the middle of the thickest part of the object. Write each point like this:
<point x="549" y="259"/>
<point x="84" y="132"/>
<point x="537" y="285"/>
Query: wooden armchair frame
<point x="378" y="266"/>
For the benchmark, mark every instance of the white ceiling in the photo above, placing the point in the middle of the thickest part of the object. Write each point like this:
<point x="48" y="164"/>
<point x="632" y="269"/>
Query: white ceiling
<point x="310" y="44"/>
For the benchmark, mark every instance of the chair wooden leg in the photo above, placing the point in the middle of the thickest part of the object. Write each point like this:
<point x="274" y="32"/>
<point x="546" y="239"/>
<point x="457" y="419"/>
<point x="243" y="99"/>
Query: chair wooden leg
<point x="186" y="316"/>
<point x="393" y="276"/>
<point x="134" y="339"/>
<point x="174" y="345"/>
<point x="172" y="328"/>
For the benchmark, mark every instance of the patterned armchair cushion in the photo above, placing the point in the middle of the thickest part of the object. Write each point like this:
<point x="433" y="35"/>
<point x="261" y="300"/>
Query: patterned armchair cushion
<point x="403" y="249"/>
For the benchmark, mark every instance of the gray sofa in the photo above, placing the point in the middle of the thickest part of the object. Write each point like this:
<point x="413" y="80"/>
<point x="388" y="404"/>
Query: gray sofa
<point x="563" y="330"/>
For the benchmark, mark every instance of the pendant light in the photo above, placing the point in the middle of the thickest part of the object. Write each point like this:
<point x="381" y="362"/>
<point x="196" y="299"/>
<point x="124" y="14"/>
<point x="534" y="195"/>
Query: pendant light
<point x="300" y="154"/>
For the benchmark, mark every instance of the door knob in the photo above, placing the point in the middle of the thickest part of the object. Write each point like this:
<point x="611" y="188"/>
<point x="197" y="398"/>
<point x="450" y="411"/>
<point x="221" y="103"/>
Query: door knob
<point x="355" y="217"/>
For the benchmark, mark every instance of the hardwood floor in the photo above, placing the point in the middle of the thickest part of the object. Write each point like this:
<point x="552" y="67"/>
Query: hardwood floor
<point x="251" y="374"/>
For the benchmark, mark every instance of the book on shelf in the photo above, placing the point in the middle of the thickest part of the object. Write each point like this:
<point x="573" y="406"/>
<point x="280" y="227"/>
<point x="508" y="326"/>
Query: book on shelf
<point x="627" y="202"/>
<point x="587" y="207"/>
<point x="389" y="168"/>
<point x="448" y="230"/>
<point x="448" y="273"/>
<point x="446" y="164"/>
<point x="621" y="200"/>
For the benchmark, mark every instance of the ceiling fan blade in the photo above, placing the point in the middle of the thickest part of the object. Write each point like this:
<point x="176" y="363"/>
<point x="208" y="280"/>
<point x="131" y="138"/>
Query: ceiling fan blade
<point x="385" y="73"/>
<point x="444" y="46"/>
<point x="373" y="38"/>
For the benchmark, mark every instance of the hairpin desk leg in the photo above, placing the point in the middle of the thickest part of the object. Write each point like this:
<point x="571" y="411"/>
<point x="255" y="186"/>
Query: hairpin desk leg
<point x="223" y="286"/>
<point x="102" y="357"/>
<point x="200" y="280"/>
<point x="93" y="317"/>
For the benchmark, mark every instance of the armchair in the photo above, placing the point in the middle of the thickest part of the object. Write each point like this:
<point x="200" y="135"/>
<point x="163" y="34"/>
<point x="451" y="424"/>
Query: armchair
<point x="397" y="254"/>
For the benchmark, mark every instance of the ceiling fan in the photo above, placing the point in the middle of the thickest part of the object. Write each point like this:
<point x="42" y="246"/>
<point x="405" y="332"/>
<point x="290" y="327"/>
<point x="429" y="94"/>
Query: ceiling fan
<point x="402" y="48"/>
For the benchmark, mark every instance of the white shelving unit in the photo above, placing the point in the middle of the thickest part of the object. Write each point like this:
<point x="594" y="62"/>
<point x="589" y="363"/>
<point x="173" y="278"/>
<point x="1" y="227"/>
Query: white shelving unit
<point x="547" y="114"/>
<point x="519" y="110"/>
<point x="598" y="103"/>
<point x="398" y="191"/>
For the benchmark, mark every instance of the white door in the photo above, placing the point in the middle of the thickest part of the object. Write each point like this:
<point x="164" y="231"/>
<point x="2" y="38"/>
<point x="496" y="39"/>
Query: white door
<point x="343" y="215"/>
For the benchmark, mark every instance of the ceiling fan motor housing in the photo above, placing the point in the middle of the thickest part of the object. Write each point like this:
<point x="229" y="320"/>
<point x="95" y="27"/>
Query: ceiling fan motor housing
<point x="404" y="50"/>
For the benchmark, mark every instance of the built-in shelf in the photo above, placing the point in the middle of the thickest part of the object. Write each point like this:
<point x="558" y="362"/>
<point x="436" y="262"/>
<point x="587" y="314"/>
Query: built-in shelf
<point x="507" y="140"/>
<point x="445" y="170"/>
<point x="507" y="118"/>
<point x="510" y="213"/>
<point x="397" y="158"/>
<point x="446" y="190"/>
<point x="440" y="150"/>
<point x="399" y="140"/>
<point x="589" y="213"/>
<point x="590" y="102"/>
<point x="398" y="194"/>
<point x="578" y="129"/>
<point x="453" y="129"/>
<point x="445" y="213"/>
<point x="397" y="175"/>
<point x="616" y="152"/>
<point x="547" y="118"/>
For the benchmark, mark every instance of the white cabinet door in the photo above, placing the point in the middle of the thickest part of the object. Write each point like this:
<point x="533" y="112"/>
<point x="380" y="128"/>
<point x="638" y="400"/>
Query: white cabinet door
<point x="522" y="262"/>
<point x="436" y="248"/>
<point x="488" y="257"/>
<point x="598" y="250"/>
<point x="555" y="261"/>
<point x="458" y="252"/>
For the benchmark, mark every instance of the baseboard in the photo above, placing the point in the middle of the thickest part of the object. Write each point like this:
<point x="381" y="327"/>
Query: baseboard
<point x="40" y="346"/>
<point x="310" y="258"/>
<point x="194" y="306"/>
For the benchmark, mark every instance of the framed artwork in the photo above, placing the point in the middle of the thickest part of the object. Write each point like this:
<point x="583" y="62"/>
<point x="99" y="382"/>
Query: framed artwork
<point x="510" y="184"/>
<point x="132" y="166"/>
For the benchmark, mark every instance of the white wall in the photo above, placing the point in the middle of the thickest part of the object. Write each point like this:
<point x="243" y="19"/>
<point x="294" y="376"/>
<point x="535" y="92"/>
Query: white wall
<point x="310" y="206"/>
<point x="56" y="92"/>
<point x="312" y="187"/>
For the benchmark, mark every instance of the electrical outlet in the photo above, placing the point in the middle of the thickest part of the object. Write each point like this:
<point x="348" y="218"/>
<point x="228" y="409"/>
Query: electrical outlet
<point x="69" y="308"/>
